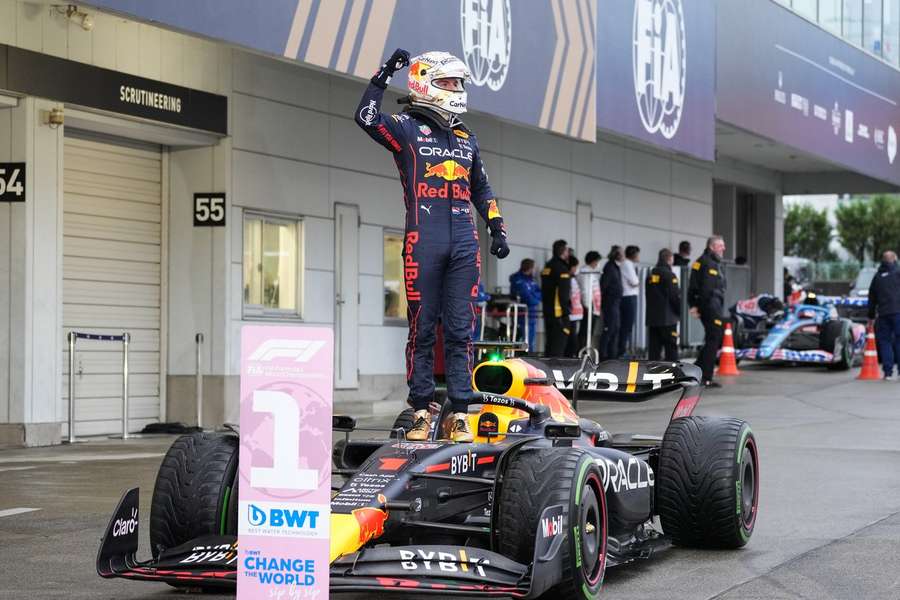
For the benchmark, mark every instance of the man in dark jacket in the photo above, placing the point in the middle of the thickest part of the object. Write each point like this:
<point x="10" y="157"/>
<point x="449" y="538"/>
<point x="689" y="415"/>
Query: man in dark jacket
<point x="706" y="295"/>
<point x="523" y="286"/>
<point x="884" y="301"/>
<point x="556" y="292"/>
<point x="683" y="258"/>
<point x="663" y="308"/>
<point x="444" y="184"/>
<point x="611" y="293"/>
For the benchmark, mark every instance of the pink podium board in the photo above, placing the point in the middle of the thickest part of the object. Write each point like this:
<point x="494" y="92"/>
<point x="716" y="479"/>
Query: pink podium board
<point x="285" y="462"/>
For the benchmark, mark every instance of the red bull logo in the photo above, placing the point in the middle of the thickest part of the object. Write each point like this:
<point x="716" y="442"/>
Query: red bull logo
<point x="449" y="170"/>
<point x="446" y="190"/>
<point x="411" y="267"/>
<point x="371" y="523"/>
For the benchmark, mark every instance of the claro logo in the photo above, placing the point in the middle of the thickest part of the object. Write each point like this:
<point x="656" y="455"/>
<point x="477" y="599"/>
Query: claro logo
<point x="126" y="526"/>
<point x="299" y="350"/>
<point x="660" y="64"/>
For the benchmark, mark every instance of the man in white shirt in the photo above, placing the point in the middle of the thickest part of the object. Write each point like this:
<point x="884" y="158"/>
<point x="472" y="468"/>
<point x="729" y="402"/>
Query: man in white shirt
<point x="590" y="297"/>
<point x="630" y="287"/>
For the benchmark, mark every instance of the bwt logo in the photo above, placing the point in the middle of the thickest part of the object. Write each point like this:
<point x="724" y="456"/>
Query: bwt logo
<point x="660" y="64"/>
<point x="299" y="350"/>
<point x="279" y="517"/>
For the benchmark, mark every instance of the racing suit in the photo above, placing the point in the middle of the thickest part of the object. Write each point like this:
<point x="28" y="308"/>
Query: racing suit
<point x="443" y="178"/>
<point x="706" y="292"/>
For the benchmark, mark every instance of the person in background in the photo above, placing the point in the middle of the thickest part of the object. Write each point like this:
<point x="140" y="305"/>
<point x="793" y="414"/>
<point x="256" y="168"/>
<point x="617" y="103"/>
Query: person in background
<point x="481" y="301"/>
<point x="631" y="286"/>
<point x="663" y="308"/>
<point x="590" y="298"/>
<point x="577" y="315"/>
<point x="706" y="295"/>
<point x="884" y="302"/>
<point x="789" y="282"/>
<point x="611" y="291"/>
<point x="556" y="296"/>
<point x="683" y="258"/>
<point x="523" y="286"/>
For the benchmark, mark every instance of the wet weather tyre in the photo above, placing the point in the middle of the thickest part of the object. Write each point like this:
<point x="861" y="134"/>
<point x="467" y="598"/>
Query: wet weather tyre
<point x="835" y="330"/>
<point x="196" y="490"/>
<point x="535" y="479"/>
<point x="707" y="487"/>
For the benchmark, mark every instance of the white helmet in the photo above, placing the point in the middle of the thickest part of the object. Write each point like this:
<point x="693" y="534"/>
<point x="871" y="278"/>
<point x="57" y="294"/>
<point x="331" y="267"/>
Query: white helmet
<point x="425" y="69"/>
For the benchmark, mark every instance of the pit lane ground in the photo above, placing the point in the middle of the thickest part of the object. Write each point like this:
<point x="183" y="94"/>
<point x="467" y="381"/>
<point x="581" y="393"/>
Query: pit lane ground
<point x="829" y="525"/>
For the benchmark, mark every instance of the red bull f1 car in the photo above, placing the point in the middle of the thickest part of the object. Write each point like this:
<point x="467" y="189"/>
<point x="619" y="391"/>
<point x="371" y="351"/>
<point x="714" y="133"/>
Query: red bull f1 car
<point x="540" y="505"/>
<point x="810" y="332"/>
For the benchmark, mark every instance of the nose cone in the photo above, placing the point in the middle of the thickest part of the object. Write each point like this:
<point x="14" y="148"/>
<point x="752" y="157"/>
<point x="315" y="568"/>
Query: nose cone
<point x="350" y="532"/>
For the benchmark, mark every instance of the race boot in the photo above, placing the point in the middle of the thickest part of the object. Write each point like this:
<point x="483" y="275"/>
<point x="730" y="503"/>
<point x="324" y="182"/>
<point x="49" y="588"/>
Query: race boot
<point x="456" y="427"/>
<point x="421" y="426"/>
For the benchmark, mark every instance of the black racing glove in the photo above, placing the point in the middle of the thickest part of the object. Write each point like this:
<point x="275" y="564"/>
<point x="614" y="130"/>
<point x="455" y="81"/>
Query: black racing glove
<point x="398" y="60"/>
<point x="499" y="247"/>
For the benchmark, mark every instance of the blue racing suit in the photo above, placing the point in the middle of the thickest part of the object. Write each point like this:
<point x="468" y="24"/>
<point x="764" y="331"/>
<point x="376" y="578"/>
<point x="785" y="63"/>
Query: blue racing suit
<point x="443" y="178"/>
<point x="527" y="290"/>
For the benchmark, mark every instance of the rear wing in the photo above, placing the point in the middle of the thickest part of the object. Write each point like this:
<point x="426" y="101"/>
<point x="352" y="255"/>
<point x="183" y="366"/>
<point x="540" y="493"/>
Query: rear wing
<point x="621" y="380"/>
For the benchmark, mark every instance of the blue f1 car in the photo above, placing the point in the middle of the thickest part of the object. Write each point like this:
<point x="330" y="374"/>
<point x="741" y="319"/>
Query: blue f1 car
<point x="809" y="332"/>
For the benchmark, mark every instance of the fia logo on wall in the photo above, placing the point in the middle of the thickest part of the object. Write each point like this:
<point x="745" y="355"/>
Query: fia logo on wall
<point x="486" y="30"/>
<point x="659" y="64"/>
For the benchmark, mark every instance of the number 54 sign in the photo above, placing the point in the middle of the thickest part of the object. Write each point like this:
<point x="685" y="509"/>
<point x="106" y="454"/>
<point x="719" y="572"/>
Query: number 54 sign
<point x="285" y="462"/>
<point x="12" y="182"/>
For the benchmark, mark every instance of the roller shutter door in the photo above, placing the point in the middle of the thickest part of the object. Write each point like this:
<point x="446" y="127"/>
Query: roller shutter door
<point x="112" y="279"/>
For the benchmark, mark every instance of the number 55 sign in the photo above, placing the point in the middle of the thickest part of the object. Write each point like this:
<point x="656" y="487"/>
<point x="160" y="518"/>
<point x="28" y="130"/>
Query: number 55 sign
<point x="285" y="462"/>
<point x="209" y="210"/>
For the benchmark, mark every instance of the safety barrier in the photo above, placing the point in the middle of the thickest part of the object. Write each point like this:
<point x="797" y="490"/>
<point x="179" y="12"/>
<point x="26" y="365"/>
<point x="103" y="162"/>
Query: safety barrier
<point x="73" y="337"/>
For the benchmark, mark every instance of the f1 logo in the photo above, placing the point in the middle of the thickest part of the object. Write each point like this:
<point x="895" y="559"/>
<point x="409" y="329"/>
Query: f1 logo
<point x="300" y="350"/>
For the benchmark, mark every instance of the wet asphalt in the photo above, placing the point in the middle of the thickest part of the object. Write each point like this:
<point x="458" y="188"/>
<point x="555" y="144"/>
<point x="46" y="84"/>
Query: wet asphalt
<point x="828" y="528"/>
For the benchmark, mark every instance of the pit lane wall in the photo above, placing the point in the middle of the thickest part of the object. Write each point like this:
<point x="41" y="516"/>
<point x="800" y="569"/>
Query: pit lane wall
<point x="292" y="150"/>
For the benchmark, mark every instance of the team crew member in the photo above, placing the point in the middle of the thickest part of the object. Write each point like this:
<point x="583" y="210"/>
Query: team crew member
<point x="611" y="291"/>
<point x="589" y="282"/>
<point x="663" y="308"/>
<point x="577" y="316"/>
<point x="631" y="286"/>
<point x="556" y="292"/>
<point x="443" y="178"/>
<point x="884" y="301"/>
<point x="523" y="286"/>
<point x="706" y="295"/>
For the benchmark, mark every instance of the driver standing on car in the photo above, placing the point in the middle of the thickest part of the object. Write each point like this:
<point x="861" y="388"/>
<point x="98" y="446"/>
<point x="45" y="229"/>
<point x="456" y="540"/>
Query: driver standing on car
<point x="706" y="296"/>
<point x="443" y="178"/>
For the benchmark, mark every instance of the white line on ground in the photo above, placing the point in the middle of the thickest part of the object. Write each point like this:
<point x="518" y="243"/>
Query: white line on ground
<point x="9" y="512"/>
<point x="79" y="457"/>
<point x="2" y="469"/>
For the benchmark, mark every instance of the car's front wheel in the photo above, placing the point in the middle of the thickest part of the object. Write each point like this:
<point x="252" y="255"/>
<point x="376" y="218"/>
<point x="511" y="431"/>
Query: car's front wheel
<point x="707" y="487"/>
<point x="541" y="478"/>
<point x="196" y="490"/>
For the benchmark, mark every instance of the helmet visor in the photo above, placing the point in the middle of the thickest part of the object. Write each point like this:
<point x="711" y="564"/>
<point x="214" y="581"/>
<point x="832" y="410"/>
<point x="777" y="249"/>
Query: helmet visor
<point x="451" y="84"/>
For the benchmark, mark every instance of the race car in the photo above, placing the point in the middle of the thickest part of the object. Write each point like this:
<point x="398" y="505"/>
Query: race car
<point x="808" y="332"/>
<point x="538" y="506"/>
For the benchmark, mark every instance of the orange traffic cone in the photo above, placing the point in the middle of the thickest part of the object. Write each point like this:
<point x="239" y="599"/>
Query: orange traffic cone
<point x="870" y="357"/>
<point x="727" y="363"/>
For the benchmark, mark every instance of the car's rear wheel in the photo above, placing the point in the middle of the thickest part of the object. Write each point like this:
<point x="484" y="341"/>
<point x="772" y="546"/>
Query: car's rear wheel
<point x="536" y="479"/>
<point x="707" y="487"/>
<point x="196" y="490"/>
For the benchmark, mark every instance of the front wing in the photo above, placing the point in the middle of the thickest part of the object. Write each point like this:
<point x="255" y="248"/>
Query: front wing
<point x="213" y="562"/>
<point x="783" y="355"/>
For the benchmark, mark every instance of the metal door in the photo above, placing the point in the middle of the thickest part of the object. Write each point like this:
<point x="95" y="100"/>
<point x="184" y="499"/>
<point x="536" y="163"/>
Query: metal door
<point x="346" y="296"/>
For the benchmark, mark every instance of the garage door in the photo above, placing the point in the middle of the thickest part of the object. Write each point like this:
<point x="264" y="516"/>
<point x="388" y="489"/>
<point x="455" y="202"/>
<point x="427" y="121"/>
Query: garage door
<point x="111" y="279"/>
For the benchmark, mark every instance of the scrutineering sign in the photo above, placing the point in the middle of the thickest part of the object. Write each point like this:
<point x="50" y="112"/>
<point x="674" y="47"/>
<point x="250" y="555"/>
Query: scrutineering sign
<point x="285" y="462"/>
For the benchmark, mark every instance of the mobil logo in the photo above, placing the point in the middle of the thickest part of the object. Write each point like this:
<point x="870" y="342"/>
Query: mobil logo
<point x="551" y="526"/>
<point x="276" y="519"/>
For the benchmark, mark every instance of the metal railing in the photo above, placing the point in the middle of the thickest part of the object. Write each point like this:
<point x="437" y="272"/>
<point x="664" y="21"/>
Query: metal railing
<point x="73" y="337"/>
<point x="198" y="339"/>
